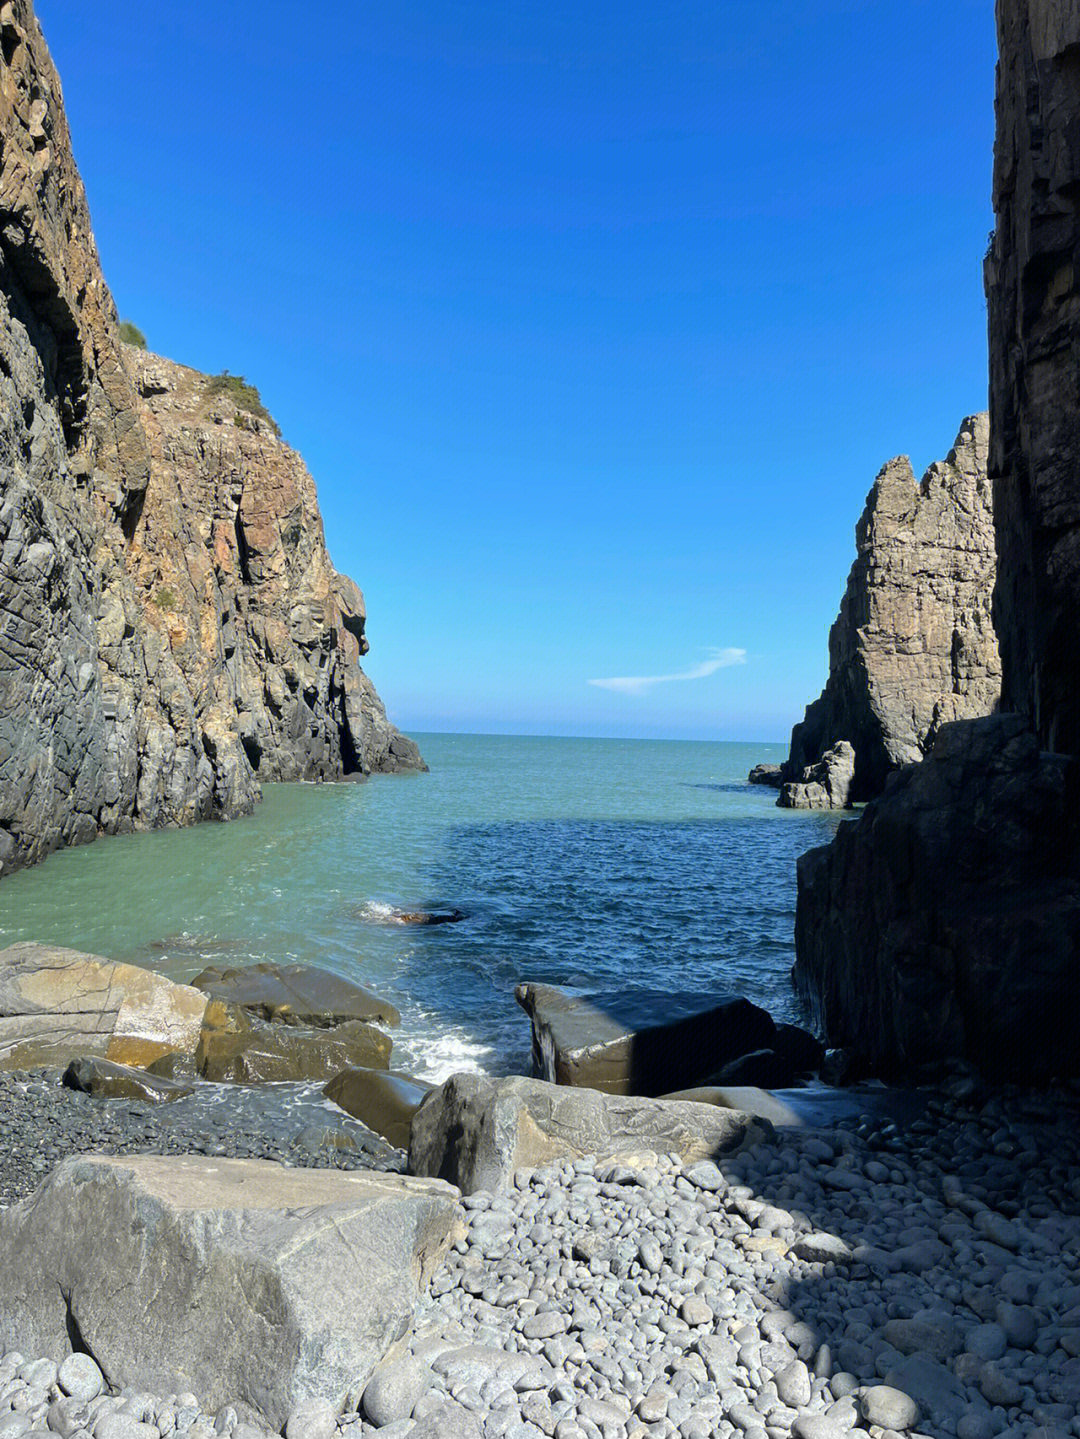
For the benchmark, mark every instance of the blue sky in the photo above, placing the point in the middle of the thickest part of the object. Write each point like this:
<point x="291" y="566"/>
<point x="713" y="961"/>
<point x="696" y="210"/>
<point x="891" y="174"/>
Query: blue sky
<point x="594" y="322"/>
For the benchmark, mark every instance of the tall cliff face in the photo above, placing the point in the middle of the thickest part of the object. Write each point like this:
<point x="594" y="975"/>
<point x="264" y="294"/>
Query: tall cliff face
<point x="1033" y="289"/>
<point x="107" y="720"/>
<point x="945" y="923"/>
<point x="913" y="646"/>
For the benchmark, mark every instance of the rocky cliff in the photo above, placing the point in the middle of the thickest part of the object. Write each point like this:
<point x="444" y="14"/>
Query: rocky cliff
<point x="1033" y="289"/>
<point x="913" y="646"/>
<point x="945" y="923"/>
<point x="171" y="629"/>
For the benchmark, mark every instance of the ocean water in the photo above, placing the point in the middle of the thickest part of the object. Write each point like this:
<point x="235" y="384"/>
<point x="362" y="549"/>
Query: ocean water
<point x="585" y="863"/>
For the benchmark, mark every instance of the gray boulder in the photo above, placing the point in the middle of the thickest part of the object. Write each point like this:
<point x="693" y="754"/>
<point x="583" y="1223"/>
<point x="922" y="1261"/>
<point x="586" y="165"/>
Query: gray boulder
<point x="826" y="784"/>
<point x="477" y="1132"/>
<point x="240" y="1281"/>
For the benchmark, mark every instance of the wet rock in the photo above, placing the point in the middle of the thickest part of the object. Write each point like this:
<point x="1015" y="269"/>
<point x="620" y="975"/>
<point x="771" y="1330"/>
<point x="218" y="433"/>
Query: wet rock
<point x="105" y="1080"/>
<point x="381" y="1099"/>
<point x="276" y="1052"/>
<point x="762" y="1068"/>
<point x="638" y="1042"/>
<point x="767" y="774"/>
<point x="477" y="1132"/>
<point x="57" y="1005"/>
<point x="296" y="994"/>
<point x="304" y="1278"/>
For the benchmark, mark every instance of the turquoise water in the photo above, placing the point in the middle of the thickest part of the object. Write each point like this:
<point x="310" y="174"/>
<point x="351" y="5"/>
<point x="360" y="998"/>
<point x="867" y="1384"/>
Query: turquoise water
<point x="581" y="862"/>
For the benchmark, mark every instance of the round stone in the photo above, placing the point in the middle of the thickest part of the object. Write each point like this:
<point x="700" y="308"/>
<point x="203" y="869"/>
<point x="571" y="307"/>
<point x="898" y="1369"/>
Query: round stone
<point x="80" y="1377"/>
<point x="311" y="1419"/>
<point x="889" y="1407"/>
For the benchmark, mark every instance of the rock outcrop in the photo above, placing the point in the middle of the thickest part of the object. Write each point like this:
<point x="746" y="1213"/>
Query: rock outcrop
<point x="172" y="629"/>
<point x="824" y="785"/>
<point x="913" y="646"/>
<point x="945" y="924"/>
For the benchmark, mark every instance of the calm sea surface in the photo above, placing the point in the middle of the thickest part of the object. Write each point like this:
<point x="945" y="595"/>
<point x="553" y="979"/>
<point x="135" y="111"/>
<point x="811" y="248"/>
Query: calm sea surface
<point x="586" y="863"/>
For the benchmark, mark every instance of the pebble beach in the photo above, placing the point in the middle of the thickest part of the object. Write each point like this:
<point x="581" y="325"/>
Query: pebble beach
<point x="861" y="1281"/>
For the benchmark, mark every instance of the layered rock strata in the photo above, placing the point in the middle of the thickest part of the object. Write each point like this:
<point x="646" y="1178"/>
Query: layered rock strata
<point x="171" y="628"/>
<point x="913" y="646"/>
<point x="946" y="923"/>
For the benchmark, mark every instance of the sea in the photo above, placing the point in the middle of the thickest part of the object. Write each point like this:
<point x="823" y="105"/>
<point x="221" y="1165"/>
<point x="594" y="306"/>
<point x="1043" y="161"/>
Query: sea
<point x="592" y="864"/>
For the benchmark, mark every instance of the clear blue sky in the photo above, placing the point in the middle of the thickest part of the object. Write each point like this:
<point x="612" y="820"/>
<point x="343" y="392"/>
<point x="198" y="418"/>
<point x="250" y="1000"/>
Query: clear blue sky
<point x="594" y="322"/>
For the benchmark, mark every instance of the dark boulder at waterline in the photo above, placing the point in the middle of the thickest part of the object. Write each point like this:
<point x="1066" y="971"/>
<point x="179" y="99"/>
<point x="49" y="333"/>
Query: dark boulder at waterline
<point x="381" y="1099"/>
<point x="768" y="774"/>
<point x="639" y="1041"/>
<point x="105" y="1080"/>
<point x="297" y="994"/>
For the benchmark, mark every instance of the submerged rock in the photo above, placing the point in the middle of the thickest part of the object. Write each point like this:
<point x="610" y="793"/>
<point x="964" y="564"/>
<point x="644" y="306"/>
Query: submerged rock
<point x="57" y="1005"/>
<point x="304" y="1278"/>
<point x="297" y="994"/>
<point x="477" y="1132"/>
<point x="384" y="1101"/>
<point x="638" y="1041"/>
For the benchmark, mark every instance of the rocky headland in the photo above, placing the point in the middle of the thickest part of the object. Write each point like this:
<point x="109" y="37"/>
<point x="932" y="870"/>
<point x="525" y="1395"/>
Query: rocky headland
<point x="174" y="632"/>
<point x="913" y="646"/>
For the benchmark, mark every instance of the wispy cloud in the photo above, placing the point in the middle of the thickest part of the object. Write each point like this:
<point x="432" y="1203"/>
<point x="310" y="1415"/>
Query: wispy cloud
<point x="639" y="684"/>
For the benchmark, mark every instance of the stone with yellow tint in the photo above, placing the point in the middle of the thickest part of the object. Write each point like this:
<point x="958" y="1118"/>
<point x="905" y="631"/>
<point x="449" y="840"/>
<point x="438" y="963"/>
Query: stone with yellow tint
<point x="59" y="1004"/>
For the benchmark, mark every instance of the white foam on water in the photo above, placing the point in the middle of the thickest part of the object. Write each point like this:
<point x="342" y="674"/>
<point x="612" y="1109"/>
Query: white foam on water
<point x="376" y="910"/>
<point x="438" y="1057"/>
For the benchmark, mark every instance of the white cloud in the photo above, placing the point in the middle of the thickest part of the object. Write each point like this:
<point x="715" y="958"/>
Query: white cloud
<point x="639" y="684"/>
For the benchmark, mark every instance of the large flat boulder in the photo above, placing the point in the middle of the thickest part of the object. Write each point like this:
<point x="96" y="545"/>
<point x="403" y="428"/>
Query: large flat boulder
<point x="296" y="994"/>
<point x="384" y="1101"/>
<point x="477" y="1132"/>
<point x="271" y="1053"/>
<point x="57" y="1005"/>
<point x="240" y="1281"/>
<point x="638" y="1041"/>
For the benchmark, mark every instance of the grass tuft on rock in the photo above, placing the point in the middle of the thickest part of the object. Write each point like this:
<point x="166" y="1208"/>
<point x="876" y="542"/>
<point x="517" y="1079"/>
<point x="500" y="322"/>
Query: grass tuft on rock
<point x="245" y="397"/>
<point x="131" y="335"/>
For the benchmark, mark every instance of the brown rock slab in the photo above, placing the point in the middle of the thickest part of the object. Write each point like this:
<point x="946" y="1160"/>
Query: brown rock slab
<point x="636" y="1041"/>
<point x="296" y="994"/>
<point x="477" y="1132"/>
<point x="276" y="1052"/>
<point x="381" y="1099"/>
<point x="57" y="1005"/>
<point x="242" y="1281"/>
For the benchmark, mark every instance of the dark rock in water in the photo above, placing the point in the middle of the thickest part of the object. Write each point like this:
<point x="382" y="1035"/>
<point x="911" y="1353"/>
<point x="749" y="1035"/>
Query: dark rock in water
<point x="296" y="994"/>
<point x="761" y="1068"/>
<point x="802" y="1050"/>
<point x="381" y="1099"/>
<point x="913" y="646"/>
<point x="638" y="1041"/>
<point x="945" y="922"/>
<point x="105" y="1080"/>
<point x="270" y="1053"/>
<point x="825" y="784"/>
<point x="386" y="915"/>
<point x="770" y="774"/>
<point x="477" y="1132"/>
